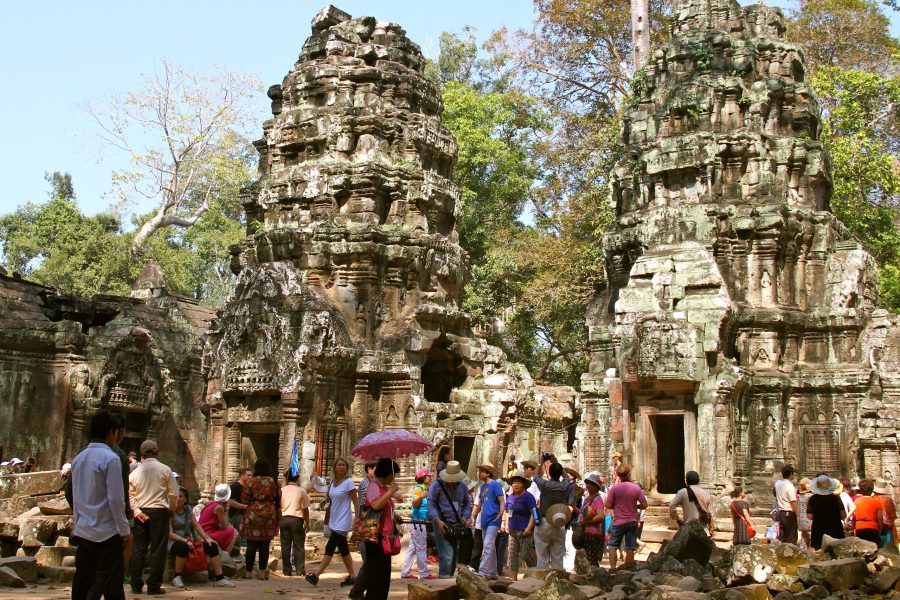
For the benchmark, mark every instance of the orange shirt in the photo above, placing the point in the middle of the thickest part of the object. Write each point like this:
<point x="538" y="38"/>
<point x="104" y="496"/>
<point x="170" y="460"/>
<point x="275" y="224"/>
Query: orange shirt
<point x="866" y="515"/>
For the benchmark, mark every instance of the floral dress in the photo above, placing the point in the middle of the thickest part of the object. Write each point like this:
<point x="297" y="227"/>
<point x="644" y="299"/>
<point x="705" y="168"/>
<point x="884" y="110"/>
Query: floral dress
<point x="262" y="498"/>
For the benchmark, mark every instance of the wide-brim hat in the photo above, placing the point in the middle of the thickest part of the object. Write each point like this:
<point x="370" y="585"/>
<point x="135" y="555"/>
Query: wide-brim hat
<point x="558" y="514"/>
<point x="489" y="468"/>
<point x="452" y="473"/>
<point x="823" y="485"/>
<point x="617" y="455"/>
<point x="529" y="464"/>
<point x="803" y="485"/>
<point x="572" y="472"/>
<point x="223" y="493"/>
<point x="320" y="484"/>
<point x="470" y="483"/>
<point x="518" y="477"/>
<point x="593" y="478"/>
<point x="881" y="487"/>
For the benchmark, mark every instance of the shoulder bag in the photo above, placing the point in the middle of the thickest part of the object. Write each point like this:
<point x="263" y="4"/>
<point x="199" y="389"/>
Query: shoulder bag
<point x="456" y="530"/>
<point x="750" y="531"/>
<point x="196" y="558"/>
<point x="705" y="516"/>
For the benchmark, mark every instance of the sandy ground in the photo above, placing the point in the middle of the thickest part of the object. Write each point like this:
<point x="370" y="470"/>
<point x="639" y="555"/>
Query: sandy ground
<point x="276" y="587"/>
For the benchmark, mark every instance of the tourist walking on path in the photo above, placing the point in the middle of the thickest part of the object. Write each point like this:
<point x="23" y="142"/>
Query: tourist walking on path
<point x="786" y="500"/>
<point x="491" y="506"/>
<point x="529" y="468"/>
<point x="260" y="522"/>
<point x="153" y="498"/>
<point x="693" y="500"/>
<point x="804" y="525"/>
<point x="518" y="521"/>
<point x="183" y="530"/>
<point x="888" y="529"/>
<point x="236" y="508"/>
<point x="449" y="509"/>
<point x="593" y="516"/>
<point x="418" y="534"/>
<point x="624" y="499"/>
<point x="213" y="521"/>
<point x="869" y="513"/>
<point x="341" y="515"/>
<point x="294" y="517"/>
<point x="98" y="507"/>
<point x="359" y="588"/>
<point x="550" y="534"/>
<point x="379" y="496"/>
<point x="825" y="510"/>
<point x="740" y="516"/>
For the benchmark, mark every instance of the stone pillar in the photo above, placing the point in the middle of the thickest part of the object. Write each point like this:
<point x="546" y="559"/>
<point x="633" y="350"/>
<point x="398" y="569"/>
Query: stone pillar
<point x="232" y="452"/>
<point x="288" y="433"/>
<point x="215" y="454"/>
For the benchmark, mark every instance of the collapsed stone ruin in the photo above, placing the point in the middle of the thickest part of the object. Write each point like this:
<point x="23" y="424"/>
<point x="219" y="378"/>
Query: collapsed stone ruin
<point x="739" y="329"/>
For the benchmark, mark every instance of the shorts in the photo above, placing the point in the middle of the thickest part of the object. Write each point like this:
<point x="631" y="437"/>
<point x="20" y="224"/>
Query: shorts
<point x="623" y="536"/>
<point x="337" y="542"/>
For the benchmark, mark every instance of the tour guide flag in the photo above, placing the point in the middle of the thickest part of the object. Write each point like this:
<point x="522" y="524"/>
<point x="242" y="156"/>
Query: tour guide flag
<point x="295" y="459"/>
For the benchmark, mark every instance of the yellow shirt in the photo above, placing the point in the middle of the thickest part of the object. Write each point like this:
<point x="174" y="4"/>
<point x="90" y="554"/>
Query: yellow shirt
<point x="152" y="486"/>
<point x="293" y="500"/>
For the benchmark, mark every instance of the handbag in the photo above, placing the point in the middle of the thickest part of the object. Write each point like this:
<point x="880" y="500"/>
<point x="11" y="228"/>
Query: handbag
<point x="196" y="558"/>
<point x="458" y="530"/>
<point x="390" y="544"/>
<point x="705" y="516"/>
<point x="750" y="531"/>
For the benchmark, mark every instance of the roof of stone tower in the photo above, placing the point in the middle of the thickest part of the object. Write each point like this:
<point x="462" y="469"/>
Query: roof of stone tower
<point x="150" y="282"/>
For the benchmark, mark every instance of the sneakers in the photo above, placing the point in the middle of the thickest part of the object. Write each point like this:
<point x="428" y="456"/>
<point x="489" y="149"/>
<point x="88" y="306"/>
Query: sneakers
<point x="407" y="576"/>
<point x="177" y="582"/>
<point x="429" y="576"/>
<point x="224" y="582"/>
<point x="348" y="581"/>
<point x="433" y="559"/>
<point x="312" y="578"/>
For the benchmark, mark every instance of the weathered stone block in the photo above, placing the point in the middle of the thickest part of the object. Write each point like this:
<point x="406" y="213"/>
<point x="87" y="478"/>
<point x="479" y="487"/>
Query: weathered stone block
<point x="691" y="541"/>
<point x="40" y="483"/>
<point x="9" y="528"/>
<point x="849" y="547"/>
<point x="56" y="506"/>
<point x="24" y="566"/>
<point x="753" y="563"/>
<point x="886" y="580"/>
<point x="53" y="555"/>
<point x="432" y="590"/>
<point x="471" y="585"/>
<point x="37" y="532"/>
<point x="525" y="587"/>
<point x="57" y="574"/>
<point x="753" y="591"/>
<point x="780" y="582"/>
<point x="669" y="592"/>
<point x="9" y="578"/>
<point x="839" y="574"/>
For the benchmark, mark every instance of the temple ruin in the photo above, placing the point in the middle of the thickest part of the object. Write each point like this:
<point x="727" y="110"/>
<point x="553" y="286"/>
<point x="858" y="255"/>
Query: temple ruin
<point x="740" y="327"/>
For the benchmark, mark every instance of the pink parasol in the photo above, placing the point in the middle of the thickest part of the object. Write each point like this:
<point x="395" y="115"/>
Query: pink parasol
<point x="390" y="443"/>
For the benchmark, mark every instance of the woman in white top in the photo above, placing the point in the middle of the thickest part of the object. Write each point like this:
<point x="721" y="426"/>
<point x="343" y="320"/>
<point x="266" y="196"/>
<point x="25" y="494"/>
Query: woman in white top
<point x="341" y="517"/>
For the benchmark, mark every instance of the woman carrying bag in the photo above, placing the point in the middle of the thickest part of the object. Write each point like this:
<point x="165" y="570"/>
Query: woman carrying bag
<point x="379" y="551"/>
<point x="186" y="537"/>
<point x="740" y="517"/>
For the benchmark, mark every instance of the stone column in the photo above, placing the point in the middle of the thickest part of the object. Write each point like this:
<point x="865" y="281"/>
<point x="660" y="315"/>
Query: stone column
<point x="288" y="433"/>
<point x="232" y="452"/>
<point x="215" y="454"/>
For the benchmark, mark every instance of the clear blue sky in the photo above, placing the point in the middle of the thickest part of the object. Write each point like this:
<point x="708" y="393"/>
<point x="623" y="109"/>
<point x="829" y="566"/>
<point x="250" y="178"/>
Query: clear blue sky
<point x="55" y="55"/>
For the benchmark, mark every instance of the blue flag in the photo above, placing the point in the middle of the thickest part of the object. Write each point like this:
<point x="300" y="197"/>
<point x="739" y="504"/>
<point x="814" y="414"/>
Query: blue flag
<point x="295" y="459"/>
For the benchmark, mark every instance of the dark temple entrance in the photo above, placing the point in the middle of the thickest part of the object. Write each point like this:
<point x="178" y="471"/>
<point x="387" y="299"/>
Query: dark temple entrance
<point x="462" y="450"/>
<point x="669" y="433"/>
<point x="259" y="440"/>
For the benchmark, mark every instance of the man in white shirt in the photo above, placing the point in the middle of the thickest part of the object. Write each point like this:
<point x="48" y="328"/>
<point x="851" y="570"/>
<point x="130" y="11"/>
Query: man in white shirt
<point x="153" y="499"/>
<point x="786" y="498"/>
<point x="98" y="507"/>
<point x="690" y="507"/>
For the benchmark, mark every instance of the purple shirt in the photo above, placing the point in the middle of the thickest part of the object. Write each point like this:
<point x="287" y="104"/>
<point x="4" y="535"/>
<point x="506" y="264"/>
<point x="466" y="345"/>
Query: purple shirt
<point x="623" y="498"/>
<point x="519" y="509"/>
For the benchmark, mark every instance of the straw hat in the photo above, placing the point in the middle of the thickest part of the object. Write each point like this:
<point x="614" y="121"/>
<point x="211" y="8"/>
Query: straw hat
<point x="881" y="487"/>
<point x="223" y="493"/>
<point x="823" y="485"/>
<point x="489" y="468"/>
<point x="557" y="515"/>
<point x="617" y="455"/>
<point x="529" y="464"/>
<point x="803" y="485"/>
<point x="452" y="473"/>
<point x="572" y="472"/>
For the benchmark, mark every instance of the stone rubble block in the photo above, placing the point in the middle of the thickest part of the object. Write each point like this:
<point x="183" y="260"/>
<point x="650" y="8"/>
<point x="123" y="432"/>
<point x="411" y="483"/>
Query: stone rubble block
<point x="431" y="590"/>
<point x="40" y="483"/>
<point x="9" y="578"/>
<point x="9" y="528"/>
<point x="838" y="574"/>
<point x="56" y="506"/>
<point x="53" y="556"/>
<point x="525" y="587"/>
<point x="756" y="563"/>
<point x="37" y="532"/>
<point x="849" y="547"/>
<point x="781" y="582"/>
<point x="753" y="591"/>
<point x="57" y="574"/>
<point x="24" y="567"/>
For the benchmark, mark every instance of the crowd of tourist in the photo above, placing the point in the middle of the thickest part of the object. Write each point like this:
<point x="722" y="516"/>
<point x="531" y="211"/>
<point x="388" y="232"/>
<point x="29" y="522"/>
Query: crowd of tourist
<point x="130" y="511"/>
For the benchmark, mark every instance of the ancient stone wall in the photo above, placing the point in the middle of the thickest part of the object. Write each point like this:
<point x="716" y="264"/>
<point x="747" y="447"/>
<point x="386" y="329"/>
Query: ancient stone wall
<point x="738" y="310"/>
<point x="346" y="315"/>
<point x="63" y="357"/>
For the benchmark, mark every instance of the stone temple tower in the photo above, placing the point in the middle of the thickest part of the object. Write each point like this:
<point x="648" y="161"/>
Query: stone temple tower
<point x="739" y="330"/>
<point x="346" y="314"/>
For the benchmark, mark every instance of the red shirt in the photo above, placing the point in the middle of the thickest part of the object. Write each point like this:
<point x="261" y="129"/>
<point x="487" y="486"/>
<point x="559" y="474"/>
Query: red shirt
<point x="866" y="514"/>
<point x="375" y="491"/>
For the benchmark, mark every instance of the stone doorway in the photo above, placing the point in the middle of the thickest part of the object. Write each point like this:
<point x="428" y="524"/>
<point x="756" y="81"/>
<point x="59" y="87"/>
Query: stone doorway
<point x="462" y="451"/>
<point x="668" y="430"/>
<point x="259" y="440"/>
<point x="442" y="372"/>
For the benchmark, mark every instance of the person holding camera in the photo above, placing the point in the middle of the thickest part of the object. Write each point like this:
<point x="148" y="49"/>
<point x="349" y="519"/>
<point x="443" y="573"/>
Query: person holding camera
<point x="450" y="509"/>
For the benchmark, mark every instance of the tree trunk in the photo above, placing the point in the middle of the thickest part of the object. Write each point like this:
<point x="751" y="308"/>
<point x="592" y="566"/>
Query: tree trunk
<point x="640" y="32"/>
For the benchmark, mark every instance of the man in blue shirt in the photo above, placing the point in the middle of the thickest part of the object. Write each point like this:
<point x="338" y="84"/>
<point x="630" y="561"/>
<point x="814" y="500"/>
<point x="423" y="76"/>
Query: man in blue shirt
<point x="491" y="506"/>
<point x="449" y="507"/>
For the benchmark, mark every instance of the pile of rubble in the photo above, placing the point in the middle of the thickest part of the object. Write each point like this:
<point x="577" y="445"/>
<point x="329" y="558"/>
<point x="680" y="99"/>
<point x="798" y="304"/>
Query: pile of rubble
<point x="689" y="567"/>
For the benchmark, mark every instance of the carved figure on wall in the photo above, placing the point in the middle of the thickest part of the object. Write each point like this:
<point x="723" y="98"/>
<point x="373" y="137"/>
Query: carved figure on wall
<point x="81" y="392"/>
<point x="770" y="432"/>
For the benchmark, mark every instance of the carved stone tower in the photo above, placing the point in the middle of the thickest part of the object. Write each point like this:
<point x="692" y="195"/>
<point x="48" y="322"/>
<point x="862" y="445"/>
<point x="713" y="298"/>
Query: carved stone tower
<point x="346" y="315"/>
<point x="739" y="329"/>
